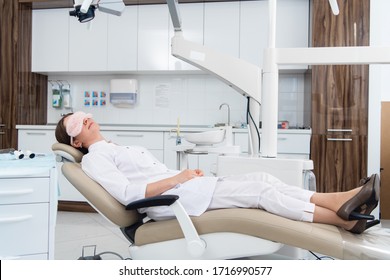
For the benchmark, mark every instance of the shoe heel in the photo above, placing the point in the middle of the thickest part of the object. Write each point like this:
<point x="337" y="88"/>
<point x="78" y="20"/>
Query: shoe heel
<point x="360" y="216"/>
<point x="372" y="223"/>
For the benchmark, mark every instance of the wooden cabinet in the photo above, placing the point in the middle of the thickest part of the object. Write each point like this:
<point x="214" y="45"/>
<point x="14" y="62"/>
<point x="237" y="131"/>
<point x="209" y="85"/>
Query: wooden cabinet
<point x="340" y="99"/>
<point x="339" y="161"/>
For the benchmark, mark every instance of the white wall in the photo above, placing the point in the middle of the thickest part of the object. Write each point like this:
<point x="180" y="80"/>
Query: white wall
<point x="379" y="86"/>
<point x="195" y="99"/>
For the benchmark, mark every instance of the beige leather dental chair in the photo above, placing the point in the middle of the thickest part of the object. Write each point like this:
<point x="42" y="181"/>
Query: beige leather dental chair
<point x="218" y="234"/>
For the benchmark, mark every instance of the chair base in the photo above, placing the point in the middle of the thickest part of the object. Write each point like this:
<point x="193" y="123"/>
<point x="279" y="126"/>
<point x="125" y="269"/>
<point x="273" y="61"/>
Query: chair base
<point x="222" y="245"/>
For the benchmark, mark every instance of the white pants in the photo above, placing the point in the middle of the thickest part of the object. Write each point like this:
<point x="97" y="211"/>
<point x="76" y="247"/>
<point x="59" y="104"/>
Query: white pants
<point x="264" y="191"/>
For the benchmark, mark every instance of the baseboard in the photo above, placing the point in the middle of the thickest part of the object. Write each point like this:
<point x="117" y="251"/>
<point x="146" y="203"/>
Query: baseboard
<point x="75" y="206"/>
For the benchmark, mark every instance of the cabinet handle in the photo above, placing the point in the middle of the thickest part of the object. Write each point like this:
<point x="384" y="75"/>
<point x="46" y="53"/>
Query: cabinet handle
<point x="2" y="125"/>
<point x="15" y="219"/>
<point x="36" y="133"/>
<point x="16" y="192"/>
<point x="2" y="133"/>
<point x="130" y="135"/>
<point x="282" y="138"/>
<point x="339" y="130"/>
<point x="340" y="139"/>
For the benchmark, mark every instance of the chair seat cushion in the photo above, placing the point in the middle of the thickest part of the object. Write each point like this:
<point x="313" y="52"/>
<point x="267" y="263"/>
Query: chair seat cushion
<point x="322" y="238"/>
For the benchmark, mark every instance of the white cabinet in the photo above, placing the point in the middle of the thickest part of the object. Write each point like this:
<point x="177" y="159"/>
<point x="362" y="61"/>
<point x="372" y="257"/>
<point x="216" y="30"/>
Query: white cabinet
<point x="153" y="141"/>
<point x="50" y="35"/>
<point x="253" y="31"/>
<point x="36" y="140"/>
<point x="292" y="28"/>
<point x="291" y="144"/>
<point x="153" y="41"/>
<point x="28" y="207"/>
<point x="88" y="44"/>
<point x="192" y="24"/>
<point x="139" y="39"/>
<point x="221" y="27"/>
<point x="122" y="40"/>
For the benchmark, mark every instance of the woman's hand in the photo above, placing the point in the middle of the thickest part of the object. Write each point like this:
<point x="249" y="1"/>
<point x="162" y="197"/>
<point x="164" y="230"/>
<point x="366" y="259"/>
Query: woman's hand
<point x="188" y="174"/>
<point x="161" y="186"/>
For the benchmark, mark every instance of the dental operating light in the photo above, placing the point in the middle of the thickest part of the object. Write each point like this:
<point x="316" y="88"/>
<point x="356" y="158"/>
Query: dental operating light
<point x="84" y="10"/>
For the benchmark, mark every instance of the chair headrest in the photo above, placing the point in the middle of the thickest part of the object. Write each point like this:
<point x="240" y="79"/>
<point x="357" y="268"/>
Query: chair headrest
<point x="67" y="152"/>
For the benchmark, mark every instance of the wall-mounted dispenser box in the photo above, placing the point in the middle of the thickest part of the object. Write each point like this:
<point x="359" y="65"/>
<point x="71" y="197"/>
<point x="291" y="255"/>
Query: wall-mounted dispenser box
<point x="123" y="92"/>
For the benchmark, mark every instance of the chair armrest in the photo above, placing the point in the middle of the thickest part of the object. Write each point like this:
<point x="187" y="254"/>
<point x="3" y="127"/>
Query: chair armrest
<point x="160" y="200"/>
<point x="195" y="245"/>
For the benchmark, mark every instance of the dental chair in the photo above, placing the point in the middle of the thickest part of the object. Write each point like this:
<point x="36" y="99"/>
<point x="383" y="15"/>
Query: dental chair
<point x="217" y="234"/>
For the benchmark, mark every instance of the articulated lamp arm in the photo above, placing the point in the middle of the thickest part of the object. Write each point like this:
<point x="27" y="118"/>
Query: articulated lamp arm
<point x="238" y="74"/>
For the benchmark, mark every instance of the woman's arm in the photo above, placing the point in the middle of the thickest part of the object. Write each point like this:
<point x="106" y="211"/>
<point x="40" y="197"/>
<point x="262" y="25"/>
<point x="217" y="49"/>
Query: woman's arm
<point x="161" y="186"/>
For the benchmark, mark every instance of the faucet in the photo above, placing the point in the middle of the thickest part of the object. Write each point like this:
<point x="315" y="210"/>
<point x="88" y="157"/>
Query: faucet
<point x="225" y="104"/>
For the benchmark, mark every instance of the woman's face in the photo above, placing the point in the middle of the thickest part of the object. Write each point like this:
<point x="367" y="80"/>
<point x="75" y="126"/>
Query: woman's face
<point x="89" y="130"/>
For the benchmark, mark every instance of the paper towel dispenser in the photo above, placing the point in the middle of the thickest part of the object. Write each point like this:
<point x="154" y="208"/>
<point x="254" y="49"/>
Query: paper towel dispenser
<point x="123" y="92"/>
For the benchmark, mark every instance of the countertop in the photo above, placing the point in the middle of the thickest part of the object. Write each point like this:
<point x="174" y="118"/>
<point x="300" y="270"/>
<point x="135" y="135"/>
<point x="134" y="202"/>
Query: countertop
<point x="159" y="128"/>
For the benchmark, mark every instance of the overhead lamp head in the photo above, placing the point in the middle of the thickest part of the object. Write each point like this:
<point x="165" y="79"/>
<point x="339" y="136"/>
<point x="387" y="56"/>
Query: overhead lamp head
<point x="83" y="17"/>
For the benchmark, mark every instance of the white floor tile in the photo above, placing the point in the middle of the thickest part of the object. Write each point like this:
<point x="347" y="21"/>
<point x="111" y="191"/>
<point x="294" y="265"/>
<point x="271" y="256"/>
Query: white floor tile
<point x="75" y="230"/>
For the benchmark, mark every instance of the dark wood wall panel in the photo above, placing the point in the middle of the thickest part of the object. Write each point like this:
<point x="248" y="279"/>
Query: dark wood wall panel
<point x="340" y="97"/>
<point x="8" y="69"/>
<point x="350" y="28"/>
<point x="23" y="95"/>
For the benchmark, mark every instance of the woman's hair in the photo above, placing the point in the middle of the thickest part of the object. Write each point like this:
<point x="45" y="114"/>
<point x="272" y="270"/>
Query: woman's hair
<point x="63" y="137"/>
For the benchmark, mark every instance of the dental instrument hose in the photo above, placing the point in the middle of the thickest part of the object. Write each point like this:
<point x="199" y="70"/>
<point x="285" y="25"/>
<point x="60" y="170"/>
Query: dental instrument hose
<point x="248" y="113"/>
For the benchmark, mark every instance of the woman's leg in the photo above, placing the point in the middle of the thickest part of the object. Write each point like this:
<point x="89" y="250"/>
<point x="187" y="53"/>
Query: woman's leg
<point x="255" y="194"/>
<point x="333" y="201"/>
<point x="326" y="216"/>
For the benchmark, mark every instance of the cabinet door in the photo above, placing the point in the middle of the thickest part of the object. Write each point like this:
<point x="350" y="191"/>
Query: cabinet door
<point x="221" y="27"/>
<point x="14" y="221"/>
<point x="153" y="141"/>
<point x="340" y="99"/>
<point x="88" y="44"/>
<point x="153" y="38"/>
<point x="122" y="40"/>
<point x="37" y="141"/>
<point x="253" y="31"/>
<point x="292" y="27"/>
<point x="192" y="26"/>
<point x="339" y="161"/>
<point x="50" y="31"/>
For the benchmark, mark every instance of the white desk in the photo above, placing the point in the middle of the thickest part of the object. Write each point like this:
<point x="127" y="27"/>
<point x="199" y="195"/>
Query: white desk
<point x="28" y="207"/>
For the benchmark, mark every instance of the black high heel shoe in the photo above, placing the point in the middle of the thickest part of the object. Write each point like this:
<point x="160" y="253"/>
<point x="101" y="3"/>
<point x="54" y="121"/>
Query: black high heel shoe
<point x="361" y="205"/>
<point x="363" y="225"/>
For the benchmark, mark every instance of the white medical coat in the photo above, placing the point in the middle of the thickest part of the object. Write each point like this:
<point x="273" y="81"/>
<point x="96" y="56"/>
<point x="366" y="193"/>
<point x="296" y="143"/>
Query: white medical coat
<point x="126" y="171"/>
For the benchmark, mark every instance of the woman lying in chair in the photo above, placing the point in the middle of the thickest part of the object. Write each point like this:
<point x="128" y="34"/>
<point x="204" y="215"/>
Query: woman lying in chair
<point x="132" y="173"/>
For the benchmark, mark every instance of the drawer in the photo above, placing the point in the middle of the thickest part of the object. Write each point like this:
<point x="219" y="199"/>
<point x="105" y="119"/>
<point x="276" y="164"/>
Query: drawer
<point x="148" y="140"/>
<point x="287" y="143"/>
<point x="33" y="190"/>
<point x="24" y="229"/>
<point x="293" y="144"/>
<point x="38" y="141"/>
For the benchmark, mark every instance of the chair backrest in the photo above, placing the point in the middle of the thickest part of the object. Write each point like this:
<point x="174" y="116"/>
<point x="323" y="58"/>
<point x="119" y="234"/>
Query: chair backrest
<point x="95" y="194"/>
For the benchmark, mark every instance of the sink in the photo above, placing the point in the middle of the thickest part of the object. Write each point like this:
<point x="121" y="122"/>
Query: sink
<point x="206" y="138"/>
